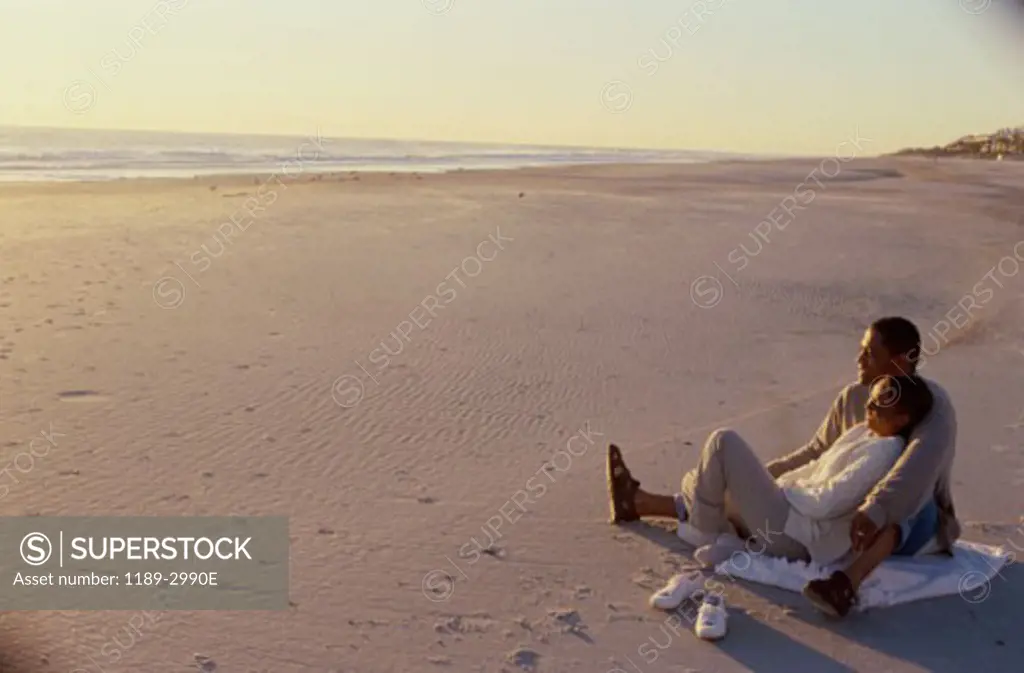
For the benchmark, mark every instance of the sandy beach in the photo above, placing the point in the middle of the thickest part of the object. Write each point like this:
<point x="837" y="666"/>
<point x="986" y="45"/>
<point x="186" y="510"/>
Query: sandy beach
<point x="409" y="365"/>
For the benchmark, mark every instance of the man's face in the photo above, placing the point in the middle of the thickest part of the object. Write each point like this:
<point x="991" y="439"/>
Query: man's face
<point x="874" y="359"/>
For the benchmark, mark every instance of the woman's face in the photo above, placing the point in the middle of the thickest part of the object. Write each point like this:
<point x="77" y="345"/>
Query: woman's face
<point x="883" y="415"/>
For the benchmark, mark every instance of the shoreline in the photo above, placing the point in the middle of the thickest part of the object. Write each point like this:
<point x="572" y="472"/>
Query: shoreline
<point x="338" y="176"/>
<point x="313" y="176"/>
<point x="235" y="177"/>
<point x="376" y="178"/>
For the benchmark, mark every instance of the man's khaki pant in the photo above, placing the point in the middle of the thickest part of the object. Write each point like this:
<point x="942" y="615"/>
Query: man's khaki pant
<point x="731" y="485"/>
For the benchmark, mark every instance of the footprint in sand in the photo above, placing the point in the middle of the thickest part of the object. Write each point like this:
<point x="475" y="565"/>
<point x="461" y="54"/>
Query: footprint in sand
<point x="81" y="396"/>
<point x="524" y="658"/>
<point x="464" y="625"/>
<point x="565" y="616"/>
<point x="568" y="621"/>
<point x="646" y="579"/>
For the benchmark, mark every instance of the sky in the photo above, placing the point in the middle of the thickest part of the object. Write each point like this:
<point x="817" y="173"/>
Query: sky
<point x="759" y="76"/>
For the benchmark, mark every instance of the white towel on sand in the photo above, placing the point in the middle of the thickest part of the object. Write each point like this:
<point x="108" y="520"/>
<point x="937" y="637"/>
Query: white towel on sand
<point x="969" y="572"/>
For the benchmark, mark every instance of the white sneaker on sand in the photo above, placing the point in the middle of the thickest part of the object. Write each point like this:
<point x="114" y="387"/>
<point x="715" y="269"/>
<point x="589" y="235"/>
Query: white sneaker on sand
<point x="719" y="551"/>
<point x="691" y="536"/>
<point x="677" y="590"/>
<point x="712" y="618"/>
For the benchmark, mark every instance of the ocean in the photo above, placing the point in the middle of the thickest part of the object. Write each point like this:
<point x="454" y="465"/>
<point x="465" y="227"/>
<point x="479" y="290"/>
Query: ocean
<point x="43" y="154"/>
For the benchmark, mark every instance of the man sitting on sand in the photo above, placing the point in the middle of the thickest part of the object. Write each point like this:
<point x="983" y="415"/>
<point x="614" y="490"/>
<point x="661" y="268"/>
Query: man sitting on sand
<point x="909" y="511"/>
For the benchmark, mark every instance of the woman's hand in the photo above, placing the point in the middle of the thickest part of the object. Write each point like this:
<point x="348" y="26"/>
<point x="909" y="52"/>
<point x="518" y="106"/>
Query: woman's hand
<point x="863" y="532"/>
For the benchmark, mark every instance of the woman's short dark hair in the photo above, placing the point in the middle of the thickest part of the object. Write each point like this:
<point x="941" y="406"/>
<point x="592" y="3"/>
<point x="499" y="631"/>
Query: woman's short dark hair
<point x="912" y="397"/>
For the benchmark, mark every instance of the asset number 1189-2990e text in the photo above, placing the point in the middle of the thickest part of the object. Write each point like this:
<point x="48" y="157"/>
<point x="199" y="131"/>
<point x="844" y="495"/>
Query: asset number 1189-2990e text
<point x="174" y="579"/>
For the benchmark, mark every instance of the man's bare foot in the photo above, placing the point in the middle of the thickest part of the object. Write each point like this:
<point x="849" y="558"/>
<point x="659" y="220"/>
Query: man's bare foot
<point x="650" y="504"/>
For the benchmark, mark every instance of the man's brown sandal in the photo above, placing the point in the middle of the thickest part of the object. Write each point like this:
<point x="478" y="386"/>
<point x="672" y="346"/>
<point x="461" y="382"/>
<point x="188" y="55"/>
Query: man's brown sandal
<point x="622" y="488"/>
<point x="834" y="595"/>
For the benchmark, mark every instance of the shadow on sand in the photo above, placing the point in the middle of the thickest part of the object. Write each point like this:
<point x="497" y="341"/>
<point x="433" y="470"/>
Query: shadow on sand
<point x="945" y="635"/>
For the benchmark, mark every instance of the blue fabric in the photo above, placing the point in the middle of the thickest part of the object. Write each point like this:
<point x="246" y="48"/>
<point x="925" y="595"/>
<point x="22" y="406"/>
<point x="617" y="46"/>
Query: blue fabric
<point x="680" y="507"/>
<point x="916" y="531"/>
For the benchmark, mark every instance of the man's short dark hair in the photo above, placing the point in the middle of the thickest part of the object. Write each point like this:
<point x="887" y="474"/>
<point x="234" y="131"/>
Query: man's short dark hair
<point x="900" y="337"/>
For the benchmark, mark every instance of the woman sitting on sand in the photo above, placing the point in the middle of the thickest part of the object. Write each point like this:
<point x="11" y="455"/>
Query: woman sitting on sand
<point x="805" y="514"/>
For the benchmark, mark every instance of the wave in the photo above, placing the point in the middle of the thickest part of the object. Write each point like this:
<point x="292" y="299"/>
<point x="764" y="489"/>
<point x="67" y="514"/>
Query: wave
<point x="81" y="155"/>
